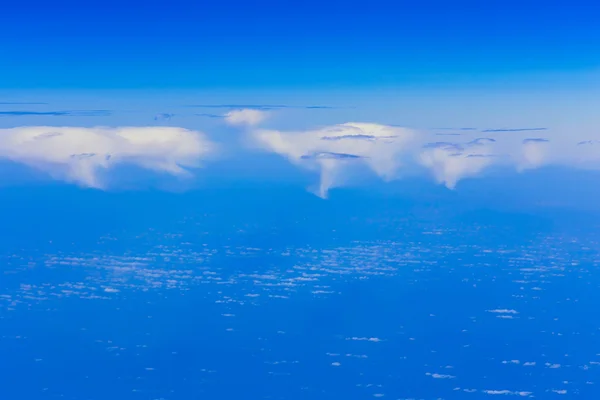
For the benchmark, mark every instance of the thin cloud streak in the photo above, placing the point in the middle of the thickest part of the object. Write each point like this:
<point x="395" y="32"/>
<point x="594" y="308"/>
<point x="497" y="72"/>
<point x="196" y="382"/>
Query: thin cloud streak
<point x="260" y="106"/>
<point x="71" y="113"/>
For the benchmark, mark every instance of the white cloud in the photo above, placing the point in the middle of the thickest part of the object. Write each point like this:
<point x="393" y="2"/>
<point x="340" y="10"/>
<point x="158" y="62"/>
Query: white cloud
<point x="392" y="152"/>
<point x="503" y="311"/>
<point x="78" y="154"/>
<point x="440" y="376"/>
<point x="451" y="162"/>
<point x="332" y="150"/>
<point x="249" y="117"/>
<point x="365" y="339"/>
<point x="534" y="153"/>
<point x="508" y="392"/>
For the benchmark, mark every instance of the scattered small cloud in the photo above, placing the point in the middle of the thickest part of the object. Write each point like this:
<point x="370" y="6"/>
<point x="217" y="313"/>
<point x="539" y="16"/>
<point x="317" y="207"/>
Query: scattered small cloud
<point x="246" y="116"/>
<point x="503" y="311"/>
<point x="515" y="130"/>
<point x="456" y="129"/>
<point x="208" y="115"/>
<point x="356" y="137"/>
<point x="535" y="140"/>
<point x="365" y="339"/>
<point x="163" y="117"/>
<point x="440" y="376"/>
<point x="588" y="143"/>
<point x="481" y="141"/>
<point x="508" y="392"/>
<point x="326" y="155"/>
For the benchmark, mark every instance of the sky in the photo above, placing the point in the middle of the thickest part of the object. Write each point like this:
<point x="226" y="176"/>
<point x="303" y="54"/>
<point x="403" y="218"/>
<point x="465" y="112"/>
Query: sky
<point x="323" y="95"/>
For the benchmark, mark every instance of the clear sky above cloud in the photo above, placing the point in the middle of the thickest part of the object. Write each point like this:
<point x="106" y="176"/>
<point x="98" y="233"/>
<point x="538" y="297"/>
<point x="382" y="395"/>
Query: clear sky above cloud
<point x="442" y="91"/>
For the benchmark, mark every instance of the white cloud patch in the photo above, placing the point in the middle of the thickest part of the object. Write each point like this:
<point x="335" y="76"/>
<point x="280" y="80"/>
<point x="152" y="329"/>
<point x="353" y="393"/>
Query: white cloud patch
<point x="332" y="150"/>
<point x="78" y="154"/>
<point x="440" y="376"/>
<point x="247" y="117"/>
<point x="451" y="162"/>
<point x="392" y="152"/>
<point x="508" y="392"/>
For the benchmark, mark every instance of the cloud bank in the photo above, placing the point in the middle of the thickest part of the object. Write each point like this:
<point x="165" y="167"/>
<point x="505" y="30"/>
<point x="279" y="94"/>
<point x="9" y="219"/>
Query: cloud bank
<point x="86" y="155"/>
<point x="332" y="150"/>
<point x="392" y="152"/>
<point x="82" y="155"/>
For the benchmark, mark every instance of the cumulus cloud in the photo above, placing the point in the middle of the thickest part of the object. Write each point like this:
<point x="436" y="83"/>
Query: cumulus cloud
<point x="392" y="151"/>
<point x="332" y="150"/>
<point x="539" y="152"/>
<point x="247" y="116"/>
<point x="389" y="151"/>
<point x="450" y="162"/>
<point x="534" y="152"/>
<point x="79" y="154"/>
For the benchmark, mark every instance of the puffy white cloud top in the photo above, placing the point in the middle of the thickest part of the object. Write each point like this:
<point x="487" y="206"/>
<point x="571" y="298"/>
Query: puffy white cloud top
<point x="390" y="151"/>
<point x="86" y="155"/>
<point x="332" y="149"/>
<point x="78" y="154"/>
<point x="249" y="117"/>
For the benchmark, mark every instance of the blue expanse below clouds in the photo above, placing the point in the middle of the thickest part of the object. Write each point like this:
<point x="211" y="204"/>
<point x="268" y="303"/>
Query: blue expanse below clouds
<point x="228" y="293"/>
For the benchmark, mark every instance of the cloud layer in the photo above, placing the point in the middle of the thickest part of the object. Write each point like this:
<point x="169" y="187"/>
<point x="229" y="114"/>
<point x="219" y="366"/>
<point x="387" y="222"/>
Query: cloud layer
<point x="336" y="152"/>
<point x="392" y="152"/>
<point x="81" y="155"/>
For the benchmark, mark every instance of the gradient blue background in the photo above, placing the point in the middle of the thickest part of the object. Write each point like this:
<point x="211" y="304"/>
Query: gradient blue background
<point x="293" y="44"/>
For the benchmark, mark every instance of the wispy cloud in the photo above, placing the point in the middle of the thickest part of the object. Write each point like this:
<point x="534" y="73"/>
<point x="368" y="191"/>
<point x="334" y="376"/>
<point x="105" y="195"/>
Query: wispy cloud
<point x="163" y="116"/>
<point x="72" y="113"/>
<point x="21" y="103"/>
<point x="327" y="155"/>
<point x="258" y="106"/>
<point x="80" y="155"/>
<point x="247" y="116"/>
<point x="209" y="115"/>
<point x="515" y="130"/>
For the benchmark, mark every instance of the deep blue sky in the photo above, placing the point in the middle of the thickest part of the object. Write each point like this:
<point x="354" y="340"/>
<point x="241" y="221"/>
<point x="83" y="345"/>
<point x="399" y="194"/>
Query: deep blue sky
<point x="274" y="44"/>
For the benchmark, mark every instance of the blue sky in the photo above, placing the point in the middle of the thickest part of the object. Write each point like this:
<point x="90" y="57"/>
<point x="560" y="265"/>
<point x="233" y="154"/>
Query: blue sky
<point x="274" y="44"/>
<point x="439" y="77"/>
